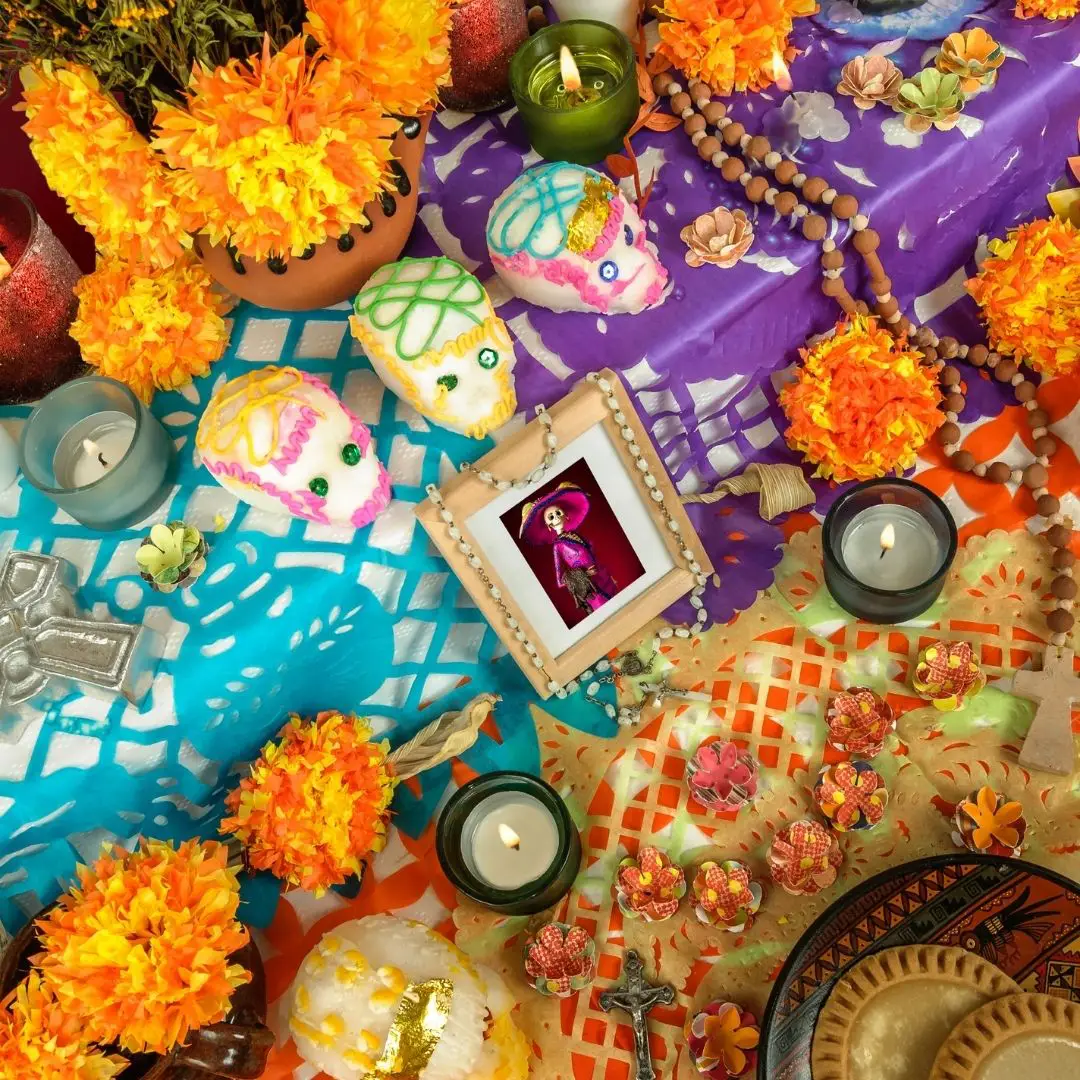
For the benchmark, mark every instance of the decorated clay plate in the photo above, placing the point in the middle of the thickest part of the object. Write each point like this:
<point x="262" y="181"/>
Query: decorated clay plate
<point x="1021" y="917"/>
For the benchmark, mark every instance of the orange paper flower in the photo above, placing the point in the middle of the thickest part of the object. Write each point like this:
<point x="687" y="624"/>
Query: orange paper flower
<point x="139" y="952"/>
<point x="973" y="55"/>
<point x="862" y="404"/>
<point x="1028" y="291"/>
<point x="988" y="822"/>
<point x="316" y="802"/>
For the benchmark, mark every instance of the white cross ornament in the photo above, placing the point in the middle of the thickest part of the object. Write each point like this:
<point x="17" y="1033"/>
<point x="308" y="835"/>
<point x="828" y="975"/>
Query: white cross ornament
<point x="1049" y="743"/>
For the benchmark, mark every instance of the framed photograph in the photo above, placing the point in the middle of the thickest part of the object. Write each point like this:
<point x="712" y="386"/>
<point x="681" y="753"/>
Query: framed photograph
<point x="581" y="558"/>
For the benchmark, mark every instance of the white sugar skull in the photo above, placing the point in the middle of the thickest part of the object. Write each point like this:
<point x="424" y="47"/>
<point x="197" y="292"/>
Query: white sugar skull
<point x="432" y="336"/>
<point x="564" y="237"/>
<point x="281" y="440"/>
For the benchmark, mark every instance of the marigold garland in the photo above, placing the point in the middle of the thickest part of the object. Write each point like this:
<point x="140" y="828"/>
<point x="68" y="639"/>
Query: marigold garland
<point x="316" y="802"/>
<point x="1046" y="9"/>
<point x="277" y="152"/>
<point x="729" y="44"/>
<point x="150" y="328"/>
<point x="399" y="50"/>
<point x="862" y="404"/>
<point x="92" y="156"/>
<point x="1029" y="292"/>
<point x="139" y="951"/>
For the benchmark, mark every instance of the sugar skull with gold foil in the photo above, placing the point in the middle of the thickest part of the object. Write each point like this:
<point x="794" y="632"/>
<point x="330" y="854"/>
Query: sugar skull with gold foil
<point x="432" y="336"/>
<point x="564" y="237"/>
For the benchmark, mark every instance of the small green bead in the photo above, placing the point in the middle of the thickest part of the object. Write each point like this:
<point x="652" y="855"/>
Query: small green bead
<point x="350" y="454"/>
<point x="488" y="358"/>
<point x="319" y="486"/>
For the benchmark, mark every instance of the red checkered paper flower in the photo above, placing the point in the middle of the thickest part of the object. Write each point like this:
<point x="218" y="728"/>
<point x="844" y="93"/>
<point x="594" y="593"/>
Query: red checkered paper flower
<point x="859" y="721"/>
<point x="650" y="886"/>
<point x="946" y="673"/>
<point x="804" y="858"/>
<point x="560" y="960"/>
<point x="726" y="895"/>
<point x="851" y="795"/>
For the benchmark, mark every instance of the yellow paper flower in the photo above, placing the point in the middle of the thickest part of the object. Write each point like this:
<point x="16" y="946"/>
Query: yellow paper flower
<point x="139" y="951"/>
<point x="92" y="156"/>
<point x="1029" y="292"/>
<point x="150" y="328"/>
<point x="40" y="1041"/>
<point x="1046" y="9"/>
<point x="399" y="50"/>
<point x="316" y="802"/>
<point x="862" y="404"/>
<point x="276" y="153"/>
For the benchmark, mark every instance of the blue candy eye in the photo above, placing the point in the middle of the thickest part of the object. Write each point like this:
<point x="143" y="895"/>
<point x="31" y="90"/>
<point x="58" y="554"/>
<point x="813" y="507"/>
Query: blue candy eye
<point x="609" y="271"/>
<point x="628" y="235"/>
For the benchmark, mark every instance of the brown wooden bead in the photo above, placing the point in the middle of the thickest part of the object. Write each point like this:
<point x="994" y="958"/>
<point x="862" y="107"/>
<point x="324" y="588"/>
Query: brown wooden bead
<point x="998" y="473"/>
<point x="880" y="286"/>
<point x="1035" y="475"/>
<point x="862" y="307"/>
<point x="1046" y="446"/>
<point x="885" y="308"/>
<point x="832" y="260"/>
<point x="948" y="434"/>
<point x="680" y="103"/>
<point x="929" y="354"/>
<point x="1060" y="621"/>
<point x="964" y="460"/>
<point x="1058" y="536"/>
<point x="814" y="227"/>
<point x="925" y="336"/>
<point x="866" y="242"/>
<point x="845" y="206"/>
<point x="1062" y="559"/>
<point x="1024" y="391"/>
<point x="733" y="133"/>
<point x="1038" y="418"/>
<point x="814" y="187"/>
<point x="693" y="123"/>
<point x="977" y="354"/>
<point x="1004" y="371"/>
<point x="786" y="202"/>
<point x="714" y="112"/>
<point x="1048" y="504"/>
<point x="955" y="402"/>
<point x="708" y="146"/>
<point x="1064" y="588"/>
<point x="950" y="376"/>
<point x="902" y="328"/>
<point x="833" y="286"/>
<point x="733" y="168"/>
<point x="948" y="348"/>
<point x="755" y="190"/>
<point x="785" y="171"/>
<point x="758" y="147"/>
<point x="662" y="80"/>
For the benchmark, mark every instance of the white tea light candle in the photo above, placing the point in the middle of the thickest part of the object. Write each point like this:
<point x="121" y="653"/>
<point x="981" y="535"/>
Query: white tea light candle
<point x="913" y="555"/>
<point x="509" y="839"/>
<point x="92" y="448"/>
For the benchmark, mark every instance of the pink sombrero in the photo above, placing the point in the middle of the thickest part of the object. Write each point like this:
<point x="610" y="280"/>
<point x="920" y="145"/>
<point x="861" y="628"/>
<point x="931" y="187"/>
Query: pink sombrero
<point x="573" y="502"/>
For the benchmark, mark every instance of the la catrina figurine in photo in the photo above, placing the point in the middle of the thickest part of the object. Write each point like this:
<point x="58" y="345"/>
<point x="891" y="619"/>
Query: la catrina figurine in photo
<point x="553" y="520"/>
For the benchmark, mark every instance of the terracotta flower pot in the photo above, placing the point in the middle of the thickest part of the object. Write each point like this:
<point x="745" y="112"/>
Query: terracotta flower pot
<point x="333" y="271"/>
<point x="237" y="1047"/>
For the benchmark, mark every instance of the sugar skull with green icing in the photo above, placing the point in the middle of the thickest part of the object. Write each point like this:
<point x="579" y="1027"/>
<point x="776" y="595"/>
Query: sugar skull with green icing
<point x="432" y="336"/>
<point x="565" y="237"/>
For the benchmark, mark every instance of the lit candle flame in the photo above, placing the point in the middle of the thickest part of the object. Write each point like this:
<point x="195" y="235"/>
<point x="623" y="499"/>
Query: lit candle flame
<point x="888" y="539"/>
<point x="571" y="77"/>
<point x="781" y="75"/>
<point x="509" y="837"/>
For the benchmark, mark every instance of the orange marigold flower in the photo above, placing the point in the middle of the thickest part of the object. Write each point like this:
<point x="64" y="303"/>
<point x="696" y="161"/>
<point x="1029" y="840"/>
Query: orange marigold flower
<point x="1046" y="9"/>
<point x="92" y="156"/>
<point x="139" y="951"/>
<point x="862" y="404"/>
<point x="1029" y="292"/>
<point x="278" y="152"/>
<point x="399" y="50"/>
<point x="729" y="44"/>
<point x="150" y="328"/>
<point x="316" y="803"/>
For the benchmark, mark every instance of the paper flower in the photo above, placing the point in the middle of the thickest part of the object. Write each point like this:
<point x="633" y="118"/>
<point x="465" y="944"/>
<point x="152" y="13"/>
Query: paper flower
<point x="150" y="328"/>
<point x="851" y="795"/>
<point x="726" y="895"/>
<point x="720" y="237"/>
<point x="650" y="886"/>
<point x="804" y="858"/>
<point x="171" y="555"/>
<point x="93" y="158"/>
<point x="1046" y="9"/>
<point x="1027" y="290"/>
<point x="728" y="44"/>
<point x="561" y="960"/>
<point x="858" y="721"/>
<point x="946" y="673"/>
<point x="721" y="776"/>
<point x="278" y="152"/>
<point x="39" y="1040"/>
<point x="990" y="824"/>
<point x="316" y="802"/>
<point x="862" y="404"/>
<point x="869" y="80"/>
<point x="398" y="50"/>
<point x="139" y="951"/>
<point x="723" y="1041"/>
<point x="930" y="99"/>
<point x="973" y="55"/>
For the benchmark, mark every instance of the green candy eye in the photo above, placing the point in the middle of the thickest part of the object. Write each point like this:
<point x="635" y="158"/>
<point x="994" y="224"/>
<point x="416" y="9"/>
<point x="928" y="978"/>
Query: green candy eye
<point x="350" y="454"/>
<point x="488" y="358"/>
<point x="319" y="486"/>
<point x="449" y="381"/>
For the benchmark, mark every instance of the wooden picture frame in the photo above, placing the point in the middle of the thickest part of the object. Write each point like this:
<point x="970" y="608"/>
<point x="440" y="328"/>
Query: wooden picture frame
<point x="586" y="429"/>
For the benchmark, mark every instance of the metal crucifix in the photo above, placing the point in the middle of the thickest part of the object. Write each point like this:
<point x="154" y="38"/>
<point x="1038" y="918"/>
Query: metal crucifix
<point x="637" y="997"/>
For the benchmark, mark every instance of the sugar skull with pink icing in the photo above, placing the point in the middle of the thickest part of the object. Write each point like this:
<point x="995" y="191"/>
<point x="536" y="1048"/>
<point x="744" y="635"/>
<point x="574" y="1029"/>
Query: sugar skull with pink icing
<point x="566" y="238"/>
<point x="281" y="440"/>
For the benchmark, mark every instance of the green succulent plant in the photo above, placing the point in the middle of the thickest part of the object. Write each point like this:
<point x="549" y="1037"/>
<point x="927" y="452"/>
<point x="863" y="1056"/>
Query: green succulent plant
<point x="930" y="98"/>
<point x="171" y="555"/>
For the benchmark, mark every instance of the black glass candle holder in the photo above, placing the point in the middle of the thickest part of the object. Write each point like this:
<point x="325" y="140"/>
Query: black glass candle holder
<point x="924" y="520"/>
<point x="551" y="884"/>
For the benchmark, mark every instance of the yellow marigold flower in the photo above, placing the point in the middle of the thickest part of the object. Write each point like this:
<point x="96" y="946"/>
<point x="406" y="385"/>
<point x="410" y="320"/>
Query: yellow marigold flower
<point x="40" y="1041"/>
<point x="139" y="952"/>
<point x="1029" y="292"/>
<point x="92" y="156"/>
<point x="1046" y="9"/>
<point x="150" y="328"/>
<point x="331" y="785"/>
<point x="862" y="403"/>
<point x="399" y="49"/>
<point x="276" y="153"/>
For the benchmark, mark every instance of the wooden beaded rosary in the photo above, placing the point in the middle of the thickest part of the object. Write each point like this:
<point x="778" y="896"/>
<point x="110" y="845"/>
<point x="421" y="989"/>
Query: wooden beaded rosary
<point x="695" y="107"/>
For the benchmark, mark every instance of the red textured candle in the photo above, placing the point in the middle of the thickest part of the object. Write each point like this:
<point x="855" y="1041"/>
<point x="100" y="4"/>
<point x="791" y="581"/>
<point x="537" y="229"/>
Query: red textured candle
<point x="484" y="35"/>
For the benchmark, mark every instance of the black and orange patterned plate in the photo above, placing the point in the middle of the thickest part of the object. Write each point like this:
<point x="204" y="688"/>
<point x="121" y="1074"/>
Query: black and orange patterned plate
<point x="1021" y="917"/>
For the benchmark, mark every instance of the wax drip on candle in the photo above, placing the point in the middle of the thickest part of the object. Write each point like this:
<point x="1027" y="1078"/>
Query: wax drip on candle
<point x="94" y="450"/>
<point x="888" y="539"/>
<point x="576" y="94"/>
<point x="509" y="837"/>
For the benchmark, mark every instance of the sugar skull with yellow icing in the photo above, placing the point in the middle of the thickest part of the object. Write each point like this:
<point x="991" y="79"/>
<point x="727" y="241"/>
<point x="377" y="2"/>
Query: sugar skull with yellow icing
<point x="281" y="440"/>
<point x="565" y="237"/>
<point x="383" y="998"/>
<point x="432" y="336"/>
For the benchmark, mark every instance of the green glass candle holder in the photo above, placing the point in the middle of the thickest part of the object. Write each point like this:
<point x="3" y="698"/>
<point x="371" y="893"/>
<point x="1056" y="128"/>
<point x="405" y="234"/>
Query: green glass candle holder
<point x="581" y="128"/>
<point x="507" y="841"/>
